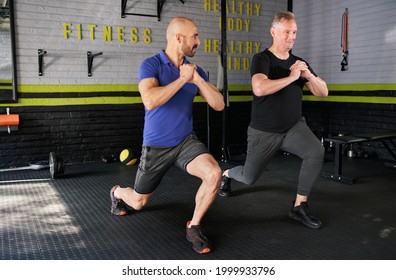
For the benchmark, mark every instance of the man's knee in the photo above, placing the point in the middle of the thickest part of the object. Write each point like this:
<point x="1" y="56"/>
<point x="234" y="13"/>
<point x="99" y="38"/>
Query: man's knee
<point x="213" y="176"/>
<point x="249" y="181"/>
<point x="243" y="175"/>
<point x="316" y="152"/>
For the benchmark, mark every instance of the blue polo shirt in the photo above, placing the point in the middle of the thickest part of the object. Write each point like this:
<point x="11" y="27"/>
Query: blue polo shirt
<point x="168" y="125"/>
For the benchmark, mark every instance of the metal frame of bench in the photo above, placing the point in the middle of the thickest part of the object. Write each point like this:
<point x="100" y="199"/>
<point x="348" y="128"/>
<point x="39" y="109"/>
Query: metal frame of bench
<point x="340" y="141"/>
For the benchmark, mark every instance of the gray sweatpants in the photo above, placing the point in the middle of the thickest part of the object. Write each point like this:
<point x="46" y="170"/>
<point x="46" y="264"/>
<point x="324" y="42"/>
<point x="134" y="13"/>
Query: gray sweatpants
<point x="262" y="146"/>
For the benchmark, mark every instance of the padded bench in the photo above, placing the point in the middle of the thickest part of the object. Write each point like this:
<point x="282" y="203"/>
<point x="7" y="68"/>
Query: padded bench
<point x="9" y="122"/>
<point x="386" y="138"/>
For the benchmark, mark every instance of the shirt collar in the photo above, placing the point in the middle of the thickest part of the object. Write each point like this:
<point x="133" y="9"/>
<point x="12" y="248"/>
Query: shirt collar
<point x="165" y="59"/>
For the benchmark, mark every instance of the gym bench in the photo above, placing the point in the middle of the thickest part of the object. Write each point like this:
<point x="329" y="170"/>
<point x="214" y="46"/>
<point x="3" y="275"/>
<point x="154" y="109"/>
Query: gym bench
<point x="386" y="138"/>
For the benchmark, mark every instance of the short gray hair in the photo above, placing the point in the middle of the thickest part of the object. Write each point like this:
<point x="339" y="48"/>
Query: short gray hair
<point x="278" y="17"/>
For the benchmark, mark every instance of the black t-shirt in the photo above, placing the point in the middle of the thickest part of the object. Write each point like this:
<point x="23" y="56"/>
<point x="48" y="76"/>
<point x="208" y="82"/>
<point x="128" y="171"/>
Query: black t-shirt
<point x="277" y="112"/>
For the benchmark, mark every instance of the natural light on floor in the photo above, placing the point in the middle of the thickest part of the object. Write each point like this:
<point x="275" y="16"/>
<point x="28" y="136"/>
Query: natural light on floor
<point x="36" y="209"/>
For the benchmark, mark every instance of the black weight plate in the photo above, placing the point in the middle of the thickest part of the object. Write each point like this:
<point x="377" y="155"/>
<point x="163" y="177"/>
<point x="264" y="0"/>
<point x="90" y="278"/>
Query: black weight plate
<point x="61" y="166"/>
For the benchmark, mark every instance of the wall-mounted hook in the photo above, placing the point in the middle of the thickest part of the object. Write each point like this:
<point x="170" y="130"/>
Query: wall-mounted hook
<point x="90" y="60"/>
<point x="41" y="54"/>
<point x="160" y="4"/>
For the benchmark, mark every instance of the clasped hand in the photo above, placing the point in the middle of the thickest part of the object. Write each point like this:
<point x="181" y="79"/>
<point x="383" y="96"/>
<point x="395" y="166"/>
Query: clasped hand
<point x="189" y="71"/>
<point x="300" y="69"/>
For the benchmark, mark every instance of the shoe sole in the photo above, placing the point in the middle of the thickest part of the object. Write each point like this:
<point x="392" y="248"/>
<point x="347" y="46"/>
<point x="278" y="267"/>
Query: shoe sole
<point x="203" y="251"/>
<point x="122" y="213"/>
<point x="297" y="219"/>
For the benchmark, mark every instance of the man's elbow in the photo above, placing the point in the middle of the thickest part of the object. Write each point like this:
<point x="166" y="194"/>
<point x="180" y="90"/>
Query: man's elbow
<point x="219" y="107"/>
<point x="148" y="107"/>
<point x="260" y="91"/>
<point x="148" y="104"/>
<point x="324" y="92"/>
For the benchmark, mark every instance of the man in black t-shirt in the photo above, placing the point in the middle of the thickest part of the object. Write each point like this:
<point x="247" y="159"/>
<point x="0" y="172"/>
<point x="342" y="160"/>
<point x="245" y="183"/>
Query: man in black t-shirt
<point x="278" y="78"/>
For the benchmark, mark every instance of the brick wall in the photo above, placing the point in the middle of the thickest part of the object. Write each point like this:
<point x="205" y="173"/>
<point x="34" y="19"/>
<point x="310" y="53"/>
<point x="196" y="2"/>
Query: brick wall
<point x="77" y="133"/>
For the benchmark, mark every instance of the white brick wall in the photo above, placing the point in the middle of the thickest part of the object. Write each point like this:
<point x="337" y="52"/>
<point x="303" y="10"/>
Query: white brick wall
<point x="39" y="25"/>
<point x="5" y="56"/>
<point x="372" y="39"/>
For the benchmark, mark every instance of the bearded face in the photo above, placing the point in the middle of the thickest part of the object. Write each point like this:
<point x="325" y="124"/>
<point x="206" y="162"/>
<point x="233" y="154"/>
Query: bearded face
<point x="189" y="49"/>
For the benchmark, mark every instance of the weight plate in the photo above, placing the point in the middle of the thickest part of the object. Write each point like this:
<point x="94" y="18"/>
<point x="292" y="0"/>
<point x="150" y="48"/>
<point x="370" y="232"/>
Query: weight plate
<point x="61" y="166"/>
<point x="53" y="162"/>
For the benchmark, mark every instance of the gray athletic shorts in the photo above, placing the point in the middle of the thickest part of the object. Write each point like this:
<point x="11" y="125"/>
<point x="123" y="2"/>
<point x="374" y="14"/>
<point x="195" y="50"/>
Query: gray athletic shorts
<point x="155" y="161"/>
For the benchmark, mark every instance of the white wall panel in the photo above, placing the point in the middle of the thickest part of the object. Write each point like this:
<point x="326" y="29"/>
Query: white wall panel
<point x="40" y="24"/>
<point x="372" y="39"/>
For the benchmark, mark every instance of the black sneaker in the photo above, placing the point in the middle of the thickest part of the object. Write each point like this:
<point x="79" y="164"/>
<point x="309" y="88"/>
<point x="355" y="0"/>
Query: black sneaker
<point x="225" y="187"/>
<point x="201" y="244"/>
<point x="303" y="215"/>
<point x="118" y="206"/>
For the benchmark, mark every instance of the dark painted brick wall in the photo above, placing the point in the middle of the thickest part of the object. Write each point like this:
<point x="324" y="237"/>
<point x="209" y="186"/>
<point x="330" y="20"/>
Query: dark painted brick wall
<point x="77" y="133"/>
<point x="332" y="118"/>
<point x="87" y="133"/>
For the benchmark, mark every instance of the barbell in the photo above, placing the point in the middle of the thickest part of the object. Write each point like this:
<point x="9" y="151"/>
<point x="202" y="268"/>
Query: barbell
<point x="55" y="164"/>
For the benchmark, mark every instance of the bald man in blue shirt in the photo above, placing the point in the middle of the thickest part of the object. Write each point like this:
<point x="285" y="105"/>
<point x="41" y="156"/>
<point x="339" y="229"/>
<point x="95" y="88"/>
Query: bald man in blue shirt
<point x="168" y="83"/>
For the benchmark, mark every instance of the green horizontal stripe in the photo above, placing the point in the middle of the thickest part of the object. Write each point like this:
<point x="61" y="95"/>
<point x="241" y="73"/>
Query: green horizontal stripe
<point x="98" y="88"/>
<point x="134" y="100"/>
<point x="134" y="88"/>
<point x="121" y="100"/>
<point x="353" y="99"/>
<point x="236" y="98"/>
<point x="77" y="88"/>
<point x="239" y="88"/>
<point x="332" y="87"/>
<point x="5" y="87"/>
<point x="361" y="87"/>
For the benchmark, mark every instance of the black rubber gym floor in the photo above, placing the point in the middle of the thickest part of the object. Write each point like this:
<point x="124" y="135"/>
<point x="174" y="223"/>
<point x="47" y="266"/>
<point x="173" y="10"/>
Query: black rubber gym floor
<point x="69" y="218"/>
